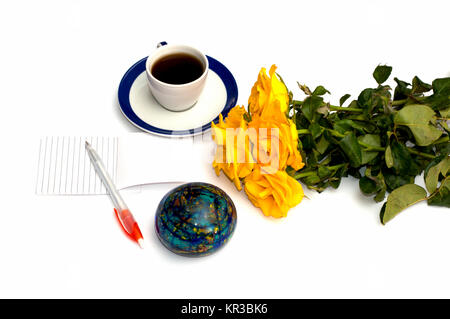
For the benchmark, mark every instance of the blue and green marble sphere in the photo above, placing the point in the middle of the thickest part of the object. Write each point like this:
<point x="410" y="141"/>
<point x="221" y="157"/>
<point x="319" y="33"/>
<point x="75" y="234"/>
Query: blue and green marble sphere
<point x="195" y="219"/>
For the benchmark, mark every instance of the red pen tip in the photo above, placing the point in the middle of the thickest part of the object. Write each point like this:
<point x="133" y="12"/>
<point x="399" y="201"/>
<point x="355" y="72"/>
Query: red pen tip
<point x="130" y="226"/>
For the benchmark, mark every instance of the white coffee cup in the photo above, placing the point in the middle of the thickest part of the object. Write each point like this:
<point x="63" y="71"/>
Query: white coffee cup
<point x="176" y="97"/>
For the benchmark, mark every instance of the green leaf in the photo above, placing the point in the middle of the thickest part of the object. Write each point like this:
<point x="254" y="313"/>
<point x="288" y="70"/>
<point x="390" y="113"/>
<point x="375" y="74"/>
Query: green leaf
<point x="320" y="90"/>
<point x="343" y="126"/>
<point x="322" y="145"/>
<point x="312" y="158"/>
<point x="378" y="179"/>
<point x="445" y="113"/>
<point x="403" y="163"/>
<point x="441" y="94"/>
<point x="394" y="181"/>
<point x="382" y="73"/>
<point x="380" y="195"/>
<point x="311" y="180"/>
<point x="432" y="173"/>
<point x="402" y="89"/>
<point x="420" y="87"/>
<point x="365" y="98"/>
<point x="308" y="142"/>
<point x="384" y="91"/>
<point x="384" y="121"/>
<point x="367" y="186"/>
<point x="337" y="176"/>
<point x="349" y="144"/>
<point x="310" y="106"/>
<point x="442" y="196"/>
<point x="343" y="99"/>
<point x="441" y="86"/>
<point x="370" y="100"/>
<point x="316" y="130"/>
<point x="388" y="157"/>
<point x="323" y="172"/>
<point x="401" y="158"/>
<point x="438" y="101"/>
<point x="366" y="156"/>
<point x="443" y="148"/>
<point x="445" y="165"/>
<point x="418" y="117"/>
<point x="370" y="140"/>
<point x="400" y="199"/>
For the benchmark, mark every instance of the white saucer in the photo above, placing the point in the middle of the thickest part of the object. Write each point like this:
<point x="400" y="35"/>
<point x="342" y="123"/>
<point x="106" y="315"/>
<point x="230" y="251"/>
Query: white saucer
<point x="142" y="110"/>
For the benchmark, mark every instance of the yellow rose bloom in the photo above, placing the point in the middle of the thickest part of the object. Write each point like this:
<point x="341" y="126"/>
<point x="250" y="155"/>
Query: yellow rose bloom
<point x="284" y="140"/>
<point x="276" y="139"/>
<point x="257" y="147"/>
<point x="295" y="159"/>
<point x="274" y="194"/>
<point x="234" y="119"/>
<point x="235" y="116"/>
<point x="233" y="152"/>
<point x="266" y="91"/>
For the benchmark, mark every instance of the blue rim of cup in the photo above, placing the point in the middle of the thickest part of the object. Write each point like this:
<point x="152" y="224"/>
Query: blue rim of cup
<point x="139" y="67"/>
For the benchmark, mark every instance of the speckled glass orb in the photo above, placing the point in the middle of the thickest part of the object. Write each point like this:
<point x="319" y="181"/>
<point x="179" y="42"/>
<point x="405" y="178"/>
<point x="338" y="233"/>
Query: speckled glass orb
<point x="195" y="219"/>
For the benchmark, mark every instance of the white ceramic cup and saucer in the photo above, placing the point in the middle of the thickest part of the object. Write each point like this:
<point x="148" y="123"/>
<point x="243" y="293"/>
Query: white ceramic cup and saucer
<point x="176" y="97"/>
<point x="178" y="110"/>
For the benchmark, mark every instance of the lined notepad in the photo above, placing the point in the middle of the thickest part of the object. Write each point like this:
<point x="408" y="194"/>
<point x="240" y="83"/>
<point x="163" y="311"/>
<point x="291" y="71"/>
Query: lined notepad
<point x="64" y="167"/>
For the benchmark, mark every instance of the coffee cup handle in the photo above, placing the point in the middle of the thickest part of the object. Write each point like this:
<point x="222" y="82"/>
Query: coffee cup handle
<point x="160" y="44"/>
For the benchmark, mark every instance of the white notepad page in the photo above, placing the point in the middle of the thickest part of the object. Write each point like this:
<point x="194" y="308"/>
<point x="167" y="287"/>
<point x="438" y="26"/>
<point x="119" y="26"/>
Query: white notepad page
<point x="148" y="159"/>
<point x="133" y="159"/>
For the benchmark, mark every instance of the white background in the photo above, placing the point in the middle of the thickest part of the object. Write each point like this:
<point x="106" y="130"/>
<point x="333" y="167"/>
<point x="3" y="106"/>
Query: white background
<point x="60" y="66"/>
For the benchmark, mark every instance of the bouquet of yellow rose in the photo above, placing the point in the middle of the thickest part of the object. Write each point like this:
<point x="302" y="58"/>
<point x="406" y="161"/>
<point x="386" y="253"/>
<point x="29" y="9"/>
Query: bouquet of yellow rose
<point x="255" y="147"/>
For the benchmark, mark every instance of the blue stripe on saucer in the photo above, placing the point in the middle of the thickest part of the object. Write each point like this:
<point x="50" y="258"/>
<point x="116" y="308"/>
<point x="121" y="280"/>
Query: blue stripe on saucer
<point x="139" y="67"/>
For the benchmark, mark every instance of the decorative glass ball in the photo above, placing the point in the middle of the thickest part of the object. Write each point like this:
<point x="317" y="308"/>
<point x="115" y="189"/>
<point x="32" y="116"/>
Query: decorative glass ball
<point x="195" y="219"/>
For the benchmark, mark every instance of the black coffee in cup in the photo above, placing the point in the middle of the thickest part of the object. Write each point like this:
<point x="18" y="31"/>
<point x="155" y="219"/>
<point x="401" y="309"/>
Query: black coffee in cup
<point x="177" y="68"/>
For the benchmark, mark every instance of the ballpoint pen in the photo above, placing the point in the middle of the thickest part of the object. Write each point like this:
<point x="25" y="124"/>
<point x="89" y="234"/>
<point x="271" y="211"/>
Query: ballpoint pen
<point x="123" y="214"/>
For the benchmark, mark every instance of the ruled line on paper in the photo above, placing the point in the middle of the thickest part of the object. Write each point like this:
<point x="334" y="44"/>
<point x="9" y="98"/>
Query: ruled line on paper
<point x="64" y="168"/>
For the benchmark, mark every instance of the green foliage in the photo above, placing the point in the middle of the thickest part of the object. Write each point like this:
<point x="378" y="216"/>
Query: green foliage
<point x="401" y="198"/>
<point x="384" y="139"/>
<point x="419" y="120"/>
<point x="382" y="73"/>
